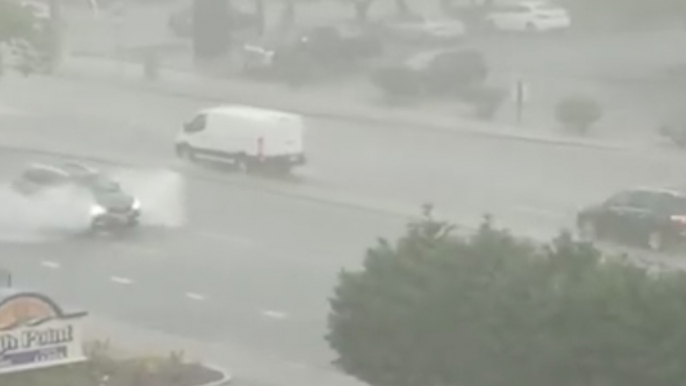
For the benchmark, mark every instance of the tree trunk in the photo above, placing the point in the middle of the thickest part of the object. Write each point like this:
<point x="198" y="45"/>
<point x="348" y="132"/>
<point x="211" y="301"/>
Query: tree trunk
<point x="288" y="15"/>
<point x="261" y="17"/>
<point x="362" y="10"/>
<point x="444" y="6"/>
<point x="402" y="7"/>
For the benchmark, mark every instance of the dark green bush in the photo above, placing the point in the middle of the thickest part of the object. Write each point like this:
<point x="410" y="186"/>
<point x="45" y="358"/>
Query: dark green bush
<point x="578" y="113"/>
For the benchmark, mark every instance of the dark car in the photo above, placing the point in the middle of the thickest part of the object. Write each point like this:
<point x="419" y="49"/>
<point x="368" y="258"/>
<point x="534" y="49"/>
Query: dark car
<point x="652" y="218"/>
<point x="441" y="72"/>
<point x="111" y="205"/>
<point x="330" y="50"/>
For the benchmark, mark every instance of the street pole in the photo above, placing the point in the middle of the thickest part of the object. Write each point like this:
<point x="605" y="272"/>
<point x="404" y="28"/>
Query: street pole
<point x="118" y="14"/>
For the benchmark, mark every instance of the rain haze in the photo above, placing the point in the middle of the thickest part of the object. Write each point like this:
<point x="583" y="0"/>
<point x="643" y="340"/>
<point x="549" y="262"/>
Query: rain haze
<point x="251" y="157"/>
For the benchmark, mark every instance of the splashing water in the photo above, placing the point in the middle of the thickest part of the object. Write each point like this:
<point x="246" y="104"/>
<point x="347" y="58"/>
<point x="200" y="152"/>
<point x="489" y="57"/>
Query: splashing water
<point x="59" y="212"/>
<point x="161" y="193"/>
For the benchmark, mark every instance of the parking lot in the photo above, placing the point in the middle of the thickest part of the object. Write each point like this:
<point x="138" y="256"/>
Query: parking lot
<point x="628" y="73"/>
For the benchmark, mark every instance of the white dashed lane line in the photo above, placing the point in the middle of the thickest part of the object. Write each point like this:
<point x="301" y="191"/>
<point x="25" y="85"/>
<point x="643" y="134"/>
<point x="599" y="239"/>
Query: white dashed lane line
<point x="50" y="264"/>
<point x="195" y="296"/>
<point x="269" y="314"/>
<point x="121" y="280"/>
<point x="272" y="314"/>
<point x="540" y="212"/>
<point x="236" y="241"/>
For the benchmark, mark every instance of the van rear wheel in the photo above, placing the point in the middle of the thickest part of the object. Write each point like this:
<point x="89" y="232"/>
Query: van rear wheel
<point x="186" y="152"/>
<point x="248" y="165"/>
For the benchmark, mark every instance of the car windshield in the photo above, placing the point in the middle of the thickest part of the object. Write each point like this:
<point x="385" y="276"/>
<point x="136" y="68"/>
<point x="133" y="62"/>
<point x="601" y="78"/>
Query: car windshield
<point x="42" y="176"/>
<point x="105" y="184"/>
<point x="674" y="204"/>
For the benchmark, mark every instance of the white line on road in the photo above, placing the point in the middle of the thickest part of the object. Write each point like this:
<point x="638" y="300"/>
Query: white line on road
<point x="121" y="280"/>
<point x="274" y="314"/>
<point x="195" y="296"/>
<point x="50" y="264"/>
<point x="139" y="250"/>
<point x="298" y="366"/>
<point x="540" y="212"/>
<point x="242" y="242"/>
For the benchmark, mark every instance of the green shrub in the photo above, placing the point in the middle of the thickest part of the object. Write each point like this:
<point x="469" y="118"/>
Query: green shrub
<point x="454" y="71"/>
<point x="578" y="113"/>
<point x="397" y="82"/>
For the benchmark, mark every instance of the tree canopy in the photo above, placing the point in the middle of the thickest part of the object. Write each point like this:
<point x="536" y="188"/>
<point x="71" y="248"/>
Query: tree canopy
<point x="492" y="309"/>
<point x="16" y="22"/>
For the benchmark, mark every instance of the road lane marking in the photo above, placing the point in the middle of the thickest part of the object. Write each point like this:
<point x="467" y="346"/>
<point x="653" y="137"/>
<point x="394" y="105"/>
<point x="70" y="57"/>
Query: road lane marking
<point x="7" y="110"/>
<point x="50" y="264"/>
<point x="138" y="250"/>
<point x="540" y="212"/>
<point x="195" y="296"/>
<point x="298" y="366"/>
<point x="239" y="241"/>
<point x="272" y="314"/>
<point x="121" y="280"/>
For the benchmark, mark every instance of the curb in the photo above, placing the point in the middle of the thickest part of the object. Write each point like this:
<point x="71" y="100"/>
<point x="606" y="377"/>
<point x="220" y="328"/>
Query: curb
<point x="226" y="379"/>
<point x="58" y="154"/>
<point x="458" y="128"/>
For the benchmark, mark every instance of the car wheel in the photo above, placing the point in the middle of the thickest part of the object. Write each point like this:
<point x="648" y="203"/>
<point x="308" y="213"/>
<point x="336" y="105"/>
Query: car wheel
<point x="656" y="241"/>
<point x="186" y="152"/>
<point x="588" y="231"/>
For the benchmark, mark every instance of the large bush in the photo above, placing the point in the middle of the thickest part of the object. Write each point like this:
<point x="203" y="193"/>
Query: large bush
<point x="492" y="309"/>
<point x="578" y="113"/>
<point x="397" y="82"/>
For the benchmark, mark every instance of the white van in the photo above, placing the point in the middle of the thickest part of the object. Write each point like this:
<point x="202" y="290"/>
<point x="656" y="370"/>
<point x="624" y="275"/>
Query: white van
<point x="248" y="136"/>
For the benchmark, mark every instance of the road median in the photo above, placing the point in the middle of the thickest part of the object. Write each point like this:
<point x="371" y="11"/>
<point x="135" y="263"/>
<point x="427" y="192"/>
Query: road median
<point x="184" y="84"/>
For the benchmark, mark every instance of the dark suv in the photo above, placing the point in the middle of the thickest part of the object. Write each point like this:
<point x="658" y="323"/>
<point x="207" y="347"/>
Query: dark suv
<point x="653" y="218"/>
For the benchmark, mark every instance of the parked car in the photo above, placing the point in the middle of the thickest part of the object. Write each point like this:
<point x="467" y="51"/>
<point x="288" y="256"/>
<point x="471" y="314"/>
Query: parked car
<point x="250" y="137"/>
<point x="420" y="30"/>
<point x="330" y="49"/>
<point x="652" y="218"/>
<point x="531" y="16"/>
<point x="435" y="72"/>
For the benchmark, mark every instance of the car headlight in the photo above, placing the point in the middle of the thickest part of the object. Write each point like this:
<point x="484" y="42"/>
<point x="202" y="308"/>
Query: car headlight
<point x="97" y="210"/>
<point x="136" y="205"/>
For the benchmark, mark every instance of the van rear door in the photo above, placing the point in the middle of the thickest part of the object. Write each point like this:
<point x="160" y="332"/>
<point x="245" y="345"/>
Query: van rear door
<point x="285" y="137"/>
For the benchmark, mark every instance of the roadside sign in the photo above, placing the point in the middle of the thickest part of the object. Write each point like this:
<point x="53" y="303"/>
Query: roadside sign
<point x="520" y="91"/>
<point x="5" y="278"/>
<point x="35" y="333"/>
<point x="520" y="95"/>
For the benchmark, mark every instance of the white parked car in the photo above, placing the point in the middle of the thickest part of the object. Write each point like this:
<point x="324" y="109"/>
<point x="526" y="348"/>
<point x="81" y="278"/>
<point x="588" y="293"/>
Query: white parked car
<point x="251" y="137"/>
<point x="426" y="30"/>
<point x="534" y="16"/>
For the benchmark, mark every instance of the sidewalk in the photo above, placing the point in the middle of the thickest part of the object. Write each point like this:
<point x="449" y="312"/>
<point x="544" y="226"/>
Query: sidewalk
<point x="311" y="102"/>
<point x="245" y="367"/>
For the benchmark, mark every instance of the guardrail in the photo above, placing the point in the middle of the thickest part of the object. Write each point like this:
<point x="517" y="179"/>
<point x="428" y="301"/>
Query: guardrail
<point x="225" y="380"/>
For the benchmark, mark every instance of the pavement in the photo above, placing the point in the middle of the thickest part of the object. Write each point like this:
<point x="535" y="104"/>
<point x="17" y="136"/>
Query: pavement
<point x="247" y="274"/>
